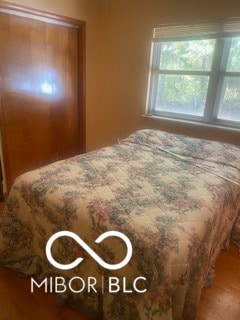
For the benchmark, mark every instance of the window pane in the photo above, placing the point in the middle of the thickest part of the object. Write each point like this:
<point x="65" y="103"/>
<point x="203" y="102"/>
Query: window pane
<point x="194" y="55"/>
<point x="234" y="56"/>
<point x="182" y="94"/>
<point x="230" y="102"/>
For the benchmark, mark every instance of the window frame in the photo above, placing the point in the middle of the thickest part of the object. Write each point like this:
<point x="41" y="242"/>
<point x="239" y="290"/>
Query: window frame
<point x="216" y="74"/>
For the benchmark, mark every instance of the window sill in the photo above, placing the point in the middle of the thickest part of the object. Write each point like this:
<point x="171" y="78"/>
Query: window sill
<point x="192" y="123"/>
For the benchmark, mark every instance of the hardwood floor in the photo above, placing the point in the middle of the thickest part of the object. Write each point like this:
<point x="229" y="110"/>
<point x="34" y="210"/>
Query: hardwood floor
<point x="220" y="302"/>
<point x="17" y="302"/>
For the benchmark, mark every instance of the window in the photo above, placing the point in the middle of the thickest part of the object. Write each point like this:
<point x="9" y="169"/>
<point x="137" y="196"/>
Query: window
<point x="195" y="73"/>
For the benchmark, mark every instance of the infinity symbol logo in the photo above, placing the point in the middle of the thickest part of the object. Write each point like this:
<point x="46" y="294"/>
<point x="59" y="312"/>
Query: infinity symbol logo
<point x="89" y="250"/>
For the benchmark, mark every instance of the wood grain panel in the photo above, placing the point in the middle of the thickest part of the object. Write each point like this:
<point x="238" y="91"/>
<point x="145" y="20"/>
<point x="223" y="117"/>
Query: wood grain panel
<point x="42" y="88"/>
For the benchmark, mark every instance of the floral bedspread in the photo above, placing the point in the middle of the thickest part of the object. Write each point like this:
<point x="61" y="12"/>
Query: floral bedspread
<point x="176" y="198"/>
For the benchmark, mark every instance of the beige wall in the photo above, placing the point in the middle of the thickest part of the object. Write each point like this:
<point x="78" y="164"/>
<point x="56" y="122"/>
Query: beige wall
<point x="126" y="30"/>
<point x="118" y="47"/>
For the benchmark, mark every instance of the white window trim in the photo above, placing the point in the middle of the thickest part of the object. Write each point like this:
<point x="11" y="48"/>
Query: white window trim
<point x="219" y="30"/>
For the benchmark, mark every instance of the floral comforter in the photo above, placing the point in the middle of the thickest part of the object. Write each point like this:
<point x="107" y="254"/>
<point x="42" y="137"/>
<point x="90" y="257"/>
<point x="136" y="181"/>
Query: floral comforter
<point x="176" y="199"/>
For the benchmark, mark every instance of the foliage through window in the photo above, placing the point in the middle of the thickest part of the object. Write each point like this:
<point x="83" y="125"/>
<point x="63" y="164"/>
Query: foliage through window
<point x="195" y="73"/>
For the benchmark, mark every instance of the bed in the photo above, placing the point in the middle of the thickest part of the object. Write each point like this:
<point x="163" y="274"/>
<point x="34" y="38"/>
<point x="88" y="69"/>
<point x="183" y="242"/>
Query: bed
<point x="176" y="199"/>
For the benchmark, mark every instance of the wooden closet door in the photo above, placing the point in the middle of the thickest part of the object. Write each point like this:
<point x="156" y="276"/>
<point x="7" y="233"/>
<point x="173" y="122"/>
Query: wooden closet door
<point x="41" y="87"/>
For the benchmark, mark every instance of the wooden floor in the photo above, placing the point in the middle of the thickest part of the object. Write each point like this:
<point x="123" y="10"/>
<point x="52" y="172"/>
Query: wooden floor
<point x="220" y="302"/>
<point x="18" y="303"/>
